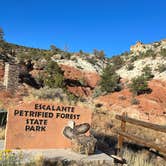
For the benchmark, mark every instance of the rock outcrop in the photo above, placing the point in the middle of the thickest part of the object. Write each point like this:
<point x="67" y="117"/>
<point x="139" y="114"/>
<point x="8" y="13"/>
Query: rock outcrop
<point x="80" y="83"/>
<point x="84" y="77"/>
<point x="140" y="47"/>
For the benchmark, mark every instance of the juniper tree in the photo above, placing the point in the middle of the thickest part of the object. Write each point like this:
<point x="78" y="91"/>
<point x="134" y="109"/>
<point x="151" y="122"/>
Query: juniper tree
<point x="139" y="85"/>
<point x="53" y="76"/>
<point x="110" y="81"/>
<point x="1" y="34"/>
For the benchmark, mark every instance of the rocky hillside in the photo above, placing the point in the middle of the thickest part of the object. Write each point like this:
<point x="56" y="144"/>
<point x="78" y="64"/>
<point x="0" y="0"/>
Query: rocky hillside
<point x="79" y="68"/>
<point x="82" y="74"/>
<point x="142" y="55"/>
<point x="142" y="58"/>
<point x="133" y="82"/>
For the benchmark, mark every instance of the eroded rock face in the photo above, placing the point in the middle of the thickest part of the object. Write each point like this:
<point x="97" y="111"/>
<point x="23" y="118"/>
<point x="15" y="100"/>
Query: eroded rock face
<point x="86" y="81"/>
<point x="87" y="78"/>
<point x="80" y="91"/>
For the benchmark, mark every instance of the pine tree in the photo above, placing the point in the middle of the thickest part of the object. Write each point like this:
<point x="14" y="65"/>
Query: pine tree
<point x="53" y="76"/>
<point x="110" y="81"/>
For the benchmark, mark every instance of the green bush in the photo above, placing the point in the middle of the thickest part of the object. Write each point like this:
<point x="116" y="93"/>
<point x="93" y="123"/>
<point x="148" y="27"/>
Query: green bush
<point x="49" y="93"/>
<point x="54" y="76"/>
<point x="130" y="66"/>
<point x="161" y="68"/>
<point x="147" y="72"/>
<point x="133" y="58"/>
<point x="135" y="101"/>
<point x="72" y="99"/>
<point x="110" y="81"/>
<point x="68" y="55"/>
<point x="97" y="92"/>
<point x="29" y="56"/>
<point x="148" y="53"/>
<point x="139" y="85"/>
<point x="9" y="158"/>
<point x="117" y="61"/>
<point x="163" y="52"/>
<point x="92" y="61"/>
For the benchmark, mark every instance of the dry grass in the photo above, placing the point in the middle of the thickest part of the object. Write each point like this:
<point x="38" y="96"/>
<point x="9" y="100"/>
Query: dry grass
<point x="141" y="158"/>
<point x="56" y="97"/>
<point x="136" y="158"/>
<point x="103" y="123"/>
<point x="2" y="133"/>
<point x="36" y="161"/>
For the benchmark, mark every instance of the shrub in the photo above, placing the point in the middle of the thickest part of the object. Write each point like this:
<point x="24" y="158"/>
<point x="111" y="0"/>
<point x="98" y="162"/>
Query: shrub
<point x="133" y="58"/>
<point x="97" y="92"/>
<point x="68" y="55"/>
<point x="147" y="72"/>
<point x="29" y="56"/>
<point x="99" y="54"/>
<point x="130" y="66"/>
<point x="110" y="81"/>
<point x="126" y="53"/>
<point x="135" y="101"/>
<point x="122" y="97"/>
<point x="117" y="62"/>
<point x="53" y="76"/>
<point x="163" y="52"/>
<point x="139" y="158"/>
<point x="92" y="61"/>
<point x="72" y="98"/>
<point x="1" y="34"/>
<point x="139" y="85"/>
<point x="161" y="68"/>
<point x="49" y="93"/>
<point x="39" y="78"/>
<point x="7" y="158"/>
<point x="149" y="53"/>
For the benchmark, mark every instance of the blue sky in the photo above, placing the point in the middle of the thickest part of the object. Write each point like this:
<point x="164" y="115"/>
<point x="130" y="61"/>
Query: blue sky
<point x="109" y="25"/>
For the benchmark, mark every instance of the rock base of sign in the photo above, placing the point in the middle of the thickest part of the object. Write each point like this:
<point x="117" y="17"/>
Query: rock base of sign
<point x="83" y="144"/>
<point x="66" y="157"/>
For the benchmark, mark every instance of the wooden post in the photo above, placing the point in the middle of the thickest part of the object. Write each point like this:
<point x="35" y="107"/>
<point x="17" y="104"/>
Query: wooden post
<point x="120" y="137"/>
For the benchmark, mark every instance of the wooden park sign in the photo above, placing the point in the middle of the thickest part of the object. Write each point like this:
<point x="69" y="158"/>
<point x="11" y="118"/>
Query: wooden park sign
<point x="40" y="124"/>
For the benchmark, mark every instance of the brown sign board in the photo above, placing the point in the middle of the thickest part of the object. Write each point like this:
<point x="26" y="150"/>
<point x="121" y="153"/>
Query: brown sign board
<point x="40" y="124"/>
